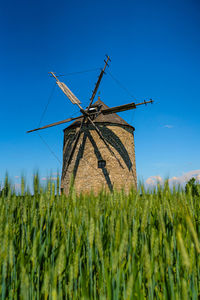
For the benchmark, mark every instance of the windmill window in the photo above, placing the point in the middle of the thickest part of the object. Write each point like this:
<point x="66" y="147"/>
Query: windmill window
<point x="101" y="164"/>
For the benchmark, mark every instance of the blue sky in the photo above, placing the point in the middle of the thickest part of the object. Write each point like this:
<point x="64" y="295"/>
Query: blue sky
<point x="154" y="47"/>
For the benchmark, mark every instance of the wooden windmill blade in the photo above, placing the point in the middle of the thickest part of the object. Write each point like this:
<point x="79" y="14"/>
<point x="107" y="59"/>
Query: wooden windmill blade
<point x="55" y="124"/>
<point x="98" y="83"/>
<point x="67" y="91"/>
<point x="124" y="107"/>
<point x="70" y="96"/>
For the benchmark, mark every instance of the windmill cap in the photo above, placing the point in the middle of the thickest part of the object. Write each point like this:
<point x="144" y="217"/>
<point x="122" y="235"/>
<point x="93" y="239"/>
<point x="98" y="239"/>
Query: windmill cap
<point x="108" y="118"/>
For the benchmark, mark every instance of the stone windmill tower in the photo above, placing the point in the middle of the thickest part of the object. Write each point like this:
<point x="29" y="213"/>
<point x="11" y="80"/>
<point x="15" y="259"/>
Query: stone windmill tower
<point x="98" y="149"/>
<point x="94" y="164"/>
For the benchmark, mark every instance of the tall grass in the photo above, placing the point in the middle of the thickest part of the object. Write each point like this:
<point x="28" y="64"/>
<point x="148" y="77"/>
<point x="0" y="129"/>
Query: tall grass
<point x="110" y="246"/>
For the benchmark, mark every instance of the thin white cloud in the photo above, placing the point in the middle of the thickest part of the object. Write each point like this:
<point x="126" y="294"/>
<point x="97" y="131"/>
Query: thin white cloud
<point x="182" y="180"/>
<point x="198" y="177"/>
<point x="153" y="180"/>
<point x="173" y="179"/>
<point x="168" y="126"/>
<point x="187" y="176"/>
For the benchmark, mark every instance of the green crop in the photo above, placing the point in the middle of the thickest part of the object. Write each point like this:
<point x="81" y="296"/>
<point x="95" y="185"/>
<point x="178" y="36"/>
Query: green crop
<point x="144" y="245"/>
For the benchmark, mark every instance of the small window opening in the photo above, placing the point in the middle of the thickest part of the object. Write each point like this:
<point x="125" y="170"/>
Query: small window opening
<point x="101" y="164"/>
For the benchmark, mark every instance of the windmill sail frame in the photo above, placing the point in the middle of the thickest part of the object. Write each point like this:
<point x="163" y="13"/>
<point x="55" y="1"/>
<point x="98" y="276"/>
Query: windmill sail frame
<point x="68" y="93"/>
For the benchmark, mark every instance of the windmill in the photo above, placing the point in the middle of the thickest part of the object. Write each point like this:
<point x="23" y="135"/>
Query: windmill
<point x="98" y="148"/>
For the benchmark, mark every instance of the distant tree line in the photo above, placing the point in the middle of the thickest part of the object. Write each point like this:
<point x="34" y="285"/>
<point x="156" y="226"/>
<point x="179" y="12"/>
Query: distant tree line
<point x="193" y="187"/>
<point x="6" y="188"/>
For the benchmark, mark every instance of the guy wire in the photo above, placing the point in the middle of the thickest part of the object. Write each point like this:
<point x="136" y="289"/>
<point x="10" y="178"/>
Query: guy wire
<point x="43" y="114"/>
<point x="52" y="152"/>
<point x="121" y="85"/>
<point x="48" y="101"/>
<point x="79" y="72"/>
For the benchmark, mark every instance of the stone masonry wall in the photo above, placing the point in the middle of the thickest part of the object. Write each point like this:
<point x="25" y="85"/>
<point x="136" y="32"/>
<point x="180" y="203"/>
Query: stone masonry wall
<point x="120" y="169"/>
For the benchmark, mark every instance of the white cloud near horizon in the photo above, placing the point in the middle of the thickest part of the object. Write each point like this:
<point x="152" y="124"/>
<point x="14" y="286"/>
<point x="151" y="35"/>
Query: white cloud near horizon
<point x="153" y="180"/>
<point x="187" y="176"/>
<point x="168" y="126"/>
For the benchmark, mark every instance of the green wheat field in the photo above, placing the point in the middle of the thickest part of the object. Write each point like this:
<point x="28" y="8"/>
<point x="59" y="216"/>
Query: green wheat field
<point x="144" y="245"/>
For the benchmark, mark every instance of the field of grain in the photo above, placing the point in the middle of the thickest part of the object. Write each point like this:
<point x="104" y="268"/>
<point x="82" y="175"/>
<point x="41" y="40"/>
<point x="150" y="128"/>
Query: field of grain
<point x="144" y="245"/>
